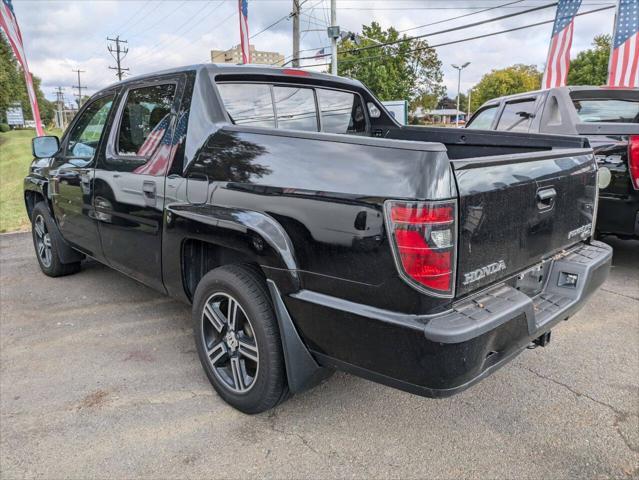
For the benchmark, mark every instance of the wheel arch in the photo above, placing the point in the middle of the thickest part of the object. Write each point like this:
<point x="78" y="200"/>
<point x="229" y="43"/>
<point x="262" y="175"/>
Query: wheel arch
<point x="35" y="190"/>
<point x="208" y="237"/>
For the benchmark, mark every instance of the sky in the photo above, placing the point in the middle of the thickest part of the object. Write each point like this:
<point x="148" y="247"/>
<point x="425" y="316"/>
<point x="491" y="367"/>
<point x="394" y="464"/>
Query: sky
<point x="60" y="36"/>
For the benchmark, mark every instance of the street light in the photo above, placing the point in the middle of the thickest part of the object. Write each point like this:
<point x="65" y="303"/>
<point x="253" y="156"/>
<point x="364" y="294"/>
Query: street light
<point x="459" y="69"/>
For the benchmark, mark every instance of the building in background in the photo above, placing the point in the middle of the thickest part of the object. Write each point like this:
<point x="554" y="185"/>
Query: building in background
<point x="440" y="116"/>
<point x="234" y="56"/>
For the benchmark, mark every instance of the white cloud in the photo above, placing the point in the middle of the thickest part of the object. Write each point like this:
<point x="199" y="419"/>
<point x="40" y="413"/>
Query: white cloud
<point x="62" y="35"/>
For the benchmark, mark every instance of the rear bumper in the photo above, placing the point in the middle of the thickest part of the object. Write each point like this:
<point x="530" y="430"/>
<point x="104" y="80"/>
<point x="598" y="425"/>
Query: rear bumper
<point x="438" y="356"/>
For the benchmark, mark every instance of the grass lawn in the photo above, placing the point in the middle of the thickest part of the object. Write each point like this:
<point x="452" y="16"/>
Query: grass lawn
<point x="15" y="158"/>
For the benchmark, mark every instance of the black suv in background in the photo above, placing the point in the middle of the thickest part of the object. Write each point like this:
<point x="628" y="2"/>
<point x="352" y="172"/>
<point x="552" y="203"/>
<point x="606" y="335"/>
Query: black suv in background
<point x="608" y="117"/>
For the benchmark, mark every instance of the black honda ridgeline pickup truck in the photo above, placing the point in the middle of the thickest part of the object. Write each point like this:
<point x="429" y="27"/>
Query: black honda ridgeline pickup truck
<point x="311" y="232"/>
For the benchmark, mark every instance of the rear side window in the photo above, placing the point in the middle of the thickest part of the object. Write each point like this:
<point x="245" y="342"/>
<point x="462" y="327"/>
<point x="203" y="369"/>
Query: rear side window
<point x="517" y="116"/>
<point x="484" y="119"/>
<point x="145" y="119"/>
<point x="607" y="110"/>
<point x="248" y="104"/>
<point x="295" y="108"/>
<point x="341" y="112"/>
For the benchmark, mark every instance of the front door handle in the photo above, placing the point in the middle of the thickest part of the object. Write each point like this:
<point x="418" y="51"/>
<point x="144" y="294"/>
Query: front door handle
<point x="148" y="188"/>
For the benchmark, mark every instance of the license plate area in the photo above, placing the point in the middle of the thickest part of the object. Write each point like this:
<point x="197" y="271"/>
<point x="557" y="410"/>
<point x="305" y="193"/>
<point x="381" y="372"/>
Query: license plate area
<point x="532" y="281"/>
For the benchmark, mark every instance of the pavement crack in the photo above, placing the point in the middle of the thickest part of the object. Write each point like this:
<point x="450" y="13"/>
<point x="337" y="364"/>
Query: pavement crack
<point x="620" y="294"/>
<point x="619" y="416"/>
<point x="272" y="423"/>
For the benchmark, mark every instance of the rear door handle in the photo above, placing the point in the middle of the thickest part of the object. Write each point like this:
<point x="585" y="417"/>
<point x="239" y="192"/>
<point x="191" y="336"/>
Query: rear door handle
<point x="148" y="187"/>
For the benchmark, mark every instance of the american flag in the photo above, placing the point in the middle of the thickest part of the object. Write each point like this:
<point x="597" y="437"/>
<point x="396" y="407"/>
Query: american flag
<point x="558" y="61"/>
<point x="244" y="31"/>
<point x="622" y="70"/>
<point x="161" y="157"/>
<point x="9" y="24"/>
<point x="321" y="53"/>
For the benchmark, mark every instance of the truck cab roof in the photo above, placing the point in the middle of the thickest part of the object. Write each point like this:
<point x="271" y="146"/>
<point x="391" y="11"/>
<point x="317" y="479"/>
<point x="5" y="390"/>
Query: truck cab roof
<point x="245" y="70"/>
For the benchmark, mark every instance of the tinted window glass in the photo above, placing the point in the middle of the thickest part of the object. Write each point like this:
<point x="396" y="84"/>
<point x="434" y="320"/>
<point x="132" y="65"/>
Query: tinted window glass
<point x="248" y="104"/>
<point x="342" y="112"/>
<point x="295" y="108"/>
<point x="516" y="116"/>
<point x="145" y="119"/>
<point x="86" y="133"/>
<point x="607" y="110"/>
<point x="484" y="119"/>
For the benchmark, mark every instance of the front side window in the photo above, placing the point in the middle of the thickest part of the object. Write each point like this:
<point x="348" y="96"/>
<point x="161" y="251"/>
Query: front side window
<point x="295" y="108"/>
<point x="342" y="112"/>
<point x="517" y="116"/>
<point x="248" y="104"/>
<point x="87" y="131"/>
<point x="145" y="119"/>
<point x="484" y="119"/>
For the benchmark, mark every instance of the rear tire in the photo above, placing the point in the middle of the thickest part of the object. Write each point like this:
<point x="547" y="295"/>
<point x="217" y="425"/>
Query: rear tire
<point x="238" y="340"/>
<point x="47" y="245"/>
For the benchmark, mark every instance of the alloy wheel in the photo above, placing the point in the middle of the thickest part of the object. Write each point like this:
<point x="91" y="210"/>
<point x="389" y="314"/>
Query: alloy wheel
<point x="229" y="342"/>
<point x="43" y="241"/>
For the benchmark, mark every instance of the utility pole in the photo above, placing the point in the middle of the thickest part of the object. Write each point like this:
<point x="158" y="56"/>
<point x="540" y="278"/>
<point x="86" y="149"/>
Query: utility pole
<point x="470" y="92"/>
<point x="79" y="87"/>
<point x="459" y="69"/>
<point x="334" y="36"/>
<point x="115" y="53"/>
<point x="296" y="33"/>
<point x="59" y="99"/>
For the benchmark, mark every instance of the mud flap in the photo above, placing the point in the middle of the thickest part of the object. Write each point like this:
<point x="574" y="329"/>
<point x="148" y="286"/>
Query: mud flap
<point x="302" y="371"/>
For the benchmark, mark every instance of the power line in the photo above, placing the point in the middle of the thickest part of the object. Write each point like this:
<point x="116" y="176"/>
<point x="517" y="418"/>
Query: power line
<point x="476" y="7"/>
<point x="128" y="22"/>
<point x="118" y="51"/>
<point x="373" y="57"/>
<point x="155" y="24"/>
<point x="186" y="23"/>
<point x="450" y="19"/>
<point x="452" y="29"/>
<point x="461" y="16"/>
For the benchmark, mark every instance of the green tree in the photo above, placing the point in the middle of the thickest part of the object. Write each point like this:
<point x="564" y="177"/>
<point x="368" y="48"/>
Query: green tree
<point x="14" y="88"/>
<point x="506" y="81"/>
<point x="590" y="67"/>
<point x="10" y="78"/>
<point x="407" y="70"/>
<point x="447" y="102"/>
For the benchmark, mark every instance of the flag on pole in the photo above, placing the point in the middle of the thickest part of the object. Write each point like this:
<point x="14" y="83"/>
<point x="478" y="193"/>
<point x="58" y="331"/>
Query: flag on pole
<point x="622" y="69"/>
<point x="321" y="53"/>
<point x="558" y="62"/>
<point x="244" y="32"/>
<point x="9" y="24"/>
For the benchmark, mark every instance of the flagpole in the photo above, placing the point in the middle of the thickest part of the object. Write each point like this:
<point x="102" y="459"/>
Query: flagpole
<point x="333" y="38"/>
<point x="612" y="43"/>
<point x="9" y="24"/>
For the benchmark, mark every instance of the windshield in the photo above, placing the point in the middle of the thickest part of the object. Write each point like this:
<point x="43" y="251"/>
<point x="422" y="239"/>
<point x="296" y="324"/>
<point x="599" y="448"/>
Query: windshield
<point x="607" y="110"/>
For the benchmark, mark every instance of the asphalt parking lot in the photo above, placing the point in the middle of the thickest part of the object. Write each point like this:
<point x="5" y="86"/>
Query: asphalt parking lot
<point x="100" y="379"/>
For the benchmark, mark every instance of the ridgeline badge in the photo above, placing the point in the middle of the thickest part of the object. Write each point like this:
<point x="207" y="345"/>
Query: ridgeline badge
<point x="490" y="269"/>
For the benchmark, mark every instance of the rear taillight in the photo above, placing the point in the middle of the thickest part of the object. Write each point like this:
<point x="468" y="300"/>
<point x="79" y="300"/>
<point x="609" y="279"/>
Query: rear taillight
<point x="423" y="238"/>
<point x="633" y="160"/>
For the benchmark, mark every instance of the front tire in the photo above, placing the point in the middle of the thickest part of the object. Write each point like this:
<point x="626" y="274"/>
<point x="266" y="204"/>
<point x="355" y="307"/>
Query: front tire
<point x="47" y="244"/>
<point x="238" y="340"/>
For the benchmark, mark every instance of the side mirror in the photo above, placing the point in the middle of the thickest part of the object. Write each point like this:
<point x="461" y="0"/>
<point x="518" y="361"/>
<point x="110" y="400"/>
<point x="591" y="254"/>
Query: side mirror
<point x="45" y="147"/>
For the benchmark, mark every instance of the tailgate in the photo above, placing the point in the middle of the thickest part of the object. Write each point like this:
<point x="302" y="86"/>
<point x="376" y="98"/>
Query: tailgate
<point x="516" y="210"/>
